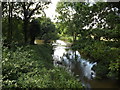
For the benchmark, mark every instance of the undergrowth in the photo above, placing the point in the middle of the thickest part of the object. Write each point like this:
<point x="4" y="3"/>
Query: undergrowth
<point x="31" y="67"/>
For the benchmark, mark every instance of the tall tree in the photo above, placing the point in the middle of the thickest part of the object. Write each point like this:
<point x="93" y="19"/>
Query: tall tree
<point x="34" y="30"/>
<point x="75" y="16"/>
<point x="10" y="15"/>
<point x="7" y="12"/>
<point x="25" y="10"/>
<point x="30" y="9"/>
<point x="105" y="19"/>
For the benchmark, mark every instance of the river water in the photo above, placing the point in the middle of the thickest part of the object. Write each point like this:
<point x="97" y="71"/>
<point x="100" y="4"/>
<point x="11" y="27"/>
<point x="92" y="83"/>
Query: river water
<point x="82" y="69"/>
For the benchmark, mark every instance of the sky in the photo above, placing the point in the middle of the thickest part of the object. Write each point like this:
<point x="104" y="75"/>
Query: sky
<point x="50" y="12"/>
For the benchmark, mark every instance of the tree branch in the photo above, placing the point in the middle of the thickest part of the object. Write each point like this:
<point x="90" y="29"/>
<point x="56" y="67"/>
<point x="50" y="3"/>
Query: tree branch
<point x="36" y="8"/>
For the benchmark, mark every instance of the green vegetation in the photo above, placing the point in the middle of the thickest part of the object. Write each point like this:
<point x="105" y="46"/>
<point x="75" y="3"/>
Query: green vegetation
<point x="26" y="28"/>
<point x="31" y="67"/>
<point x="25" y="65"/>
<point x="95" y="30"/>
<point x="106" y="56"/>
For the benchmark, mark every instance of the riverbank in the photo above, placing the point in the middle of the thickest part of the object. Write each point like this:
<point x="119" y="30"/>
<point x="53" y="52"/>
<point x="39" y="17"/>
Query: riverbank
<point x="105" y="53"/>
<point x="107" y="58"/>
<point x="84" y="67"/>
<point x="31" y="66"/>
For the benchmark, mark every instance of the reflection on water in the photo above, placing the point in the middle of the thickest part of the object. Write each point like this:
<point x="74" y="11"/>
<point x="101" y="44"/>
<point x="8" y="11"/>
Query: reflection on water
<point x="104" y="84"/>
<point x="81" y="68"/>
<point x="70" y="58"/>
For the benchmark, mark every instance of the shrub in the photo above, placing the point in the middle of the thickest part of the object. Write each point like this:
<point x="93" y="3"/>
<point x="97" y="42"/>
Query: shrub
<point x="31" y="67"/>
<point x="107" y="57"/>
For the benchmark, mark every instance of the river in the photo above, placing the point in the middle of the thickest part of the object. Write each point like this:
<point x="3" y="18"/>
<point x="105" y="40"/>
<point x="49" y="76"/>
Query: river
<point x="82" y="69"/>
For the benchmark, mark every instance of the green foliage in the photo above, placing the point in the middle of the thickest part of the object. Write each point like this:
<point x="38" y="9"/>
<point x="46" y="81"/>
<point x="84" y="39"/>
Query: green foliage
<point x="107" y="57"/>
<point x="48" y="30"/>
<point x="17" y="33"/>
<point x="73" y="18"/>
<point x="16" y="17"/>
<point x="66" y="38"/>
<point x="114" y="68"/>
<point x="99" y="43"/>
<point x="31" y="67"/>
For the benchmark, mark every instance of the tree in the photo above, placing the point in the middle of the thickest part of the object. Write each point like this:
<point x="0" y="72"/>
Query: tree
<point x="28" y="12"/>
<point x="11" y="22"/>
<point x="75" y="16"/>
<point x="34" y="30"/>
<point x="24" y="10"/>
<point x="10" y="15"/>
<point x="48" y="30"/>
<point x="105" y="24"/>
<point x="8" y="6"/>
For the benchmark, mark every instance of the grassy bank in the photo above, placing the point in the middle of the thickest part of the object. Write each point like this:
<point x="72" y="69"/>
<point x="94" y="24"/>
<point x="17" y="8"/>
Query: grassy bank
<point x="31" y="67"/>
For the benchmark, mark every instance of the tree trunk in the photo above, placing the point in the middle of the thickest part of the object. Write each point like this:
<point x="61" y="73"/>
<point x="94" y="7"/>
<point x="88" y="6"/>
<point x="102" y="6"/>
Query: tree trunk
<point x="25" y="24"/>
<point x="32" y="39"/>
<point x="9" y="37"/>
<point x="25" y="30"/>
<point x="11" y="10"/>
<point x="74" y="37"/>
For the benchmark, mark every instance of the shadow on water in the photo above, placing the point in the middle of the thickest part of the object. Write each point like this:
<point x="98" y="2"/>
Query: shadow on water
<point x="93" y="83"/>
<point x="81" y="68"/>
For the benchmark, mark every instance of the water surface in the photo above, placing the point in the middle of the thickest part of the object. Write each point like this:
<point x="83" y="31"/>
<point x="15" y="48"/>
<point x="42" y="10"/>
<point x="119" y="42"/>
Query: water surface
<point x="81" y="68"/>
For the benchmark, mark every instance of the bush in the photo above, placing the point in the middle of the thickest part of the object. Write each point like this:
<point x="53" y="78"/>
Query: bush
<point x="31" y="67"/>
<point x="108" y="58"/>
